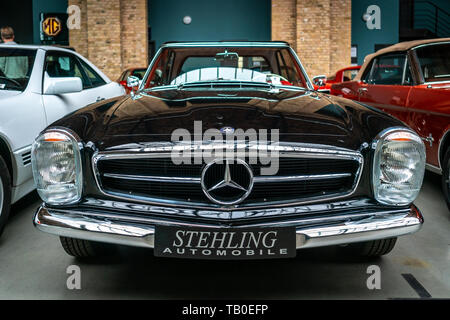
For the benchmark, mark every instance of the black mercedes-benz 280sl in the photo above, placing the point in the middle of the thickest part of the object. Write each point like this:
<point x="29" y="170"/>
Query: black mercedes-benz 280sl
<point x="225" y="151"/>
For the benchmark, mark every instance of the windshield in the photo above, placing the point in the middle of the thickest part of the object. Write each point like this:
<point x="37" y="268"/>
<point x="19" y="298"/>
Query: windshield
<point x="435" y="62"/>
<point x="269" y="65"/>
<point x="15" y="68"/>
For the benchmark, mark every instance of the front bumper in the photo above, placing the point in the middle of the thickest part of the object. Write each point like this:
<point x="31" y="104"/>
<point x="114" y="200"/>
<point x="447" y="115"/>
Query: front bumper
<point x="314" y="232"/>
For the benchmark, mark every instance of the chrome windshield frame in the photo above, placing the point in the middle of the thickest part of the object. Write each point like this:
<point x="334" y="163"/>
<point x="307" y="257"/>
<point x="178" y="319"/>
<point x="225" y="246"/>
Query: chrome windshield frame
<point x="309" y="85"/>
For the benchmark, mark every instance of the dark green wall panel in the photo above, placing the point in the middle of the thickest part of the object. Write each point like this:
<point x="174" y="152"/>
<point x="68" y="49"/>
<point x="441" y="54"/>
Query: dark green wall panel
<point x="211" y="20"/>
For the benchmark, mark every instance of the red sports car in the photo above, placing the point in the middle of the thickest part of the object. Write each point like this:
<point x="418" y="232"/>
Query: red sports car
<point x="411" y="81"/>
<point x="324" y="83"/>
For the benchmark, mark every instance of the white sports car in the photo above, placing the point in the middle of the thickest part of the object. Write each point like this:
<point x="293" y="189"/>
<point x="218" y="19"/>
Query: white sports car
<point x="39" y="85"/>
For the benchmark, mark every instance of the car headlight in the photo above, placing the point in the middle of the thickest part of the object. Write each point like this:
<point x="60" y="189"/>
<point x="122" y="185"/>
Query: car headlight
<point x="56" y="162"/>
<point x="399" y="165"/>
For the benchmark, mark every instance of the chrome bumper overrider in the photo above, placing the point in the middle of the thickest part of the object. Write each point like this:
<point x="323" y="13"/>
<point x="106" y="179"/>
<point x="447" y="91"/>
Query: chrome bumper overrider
<point x="140" y="232"/>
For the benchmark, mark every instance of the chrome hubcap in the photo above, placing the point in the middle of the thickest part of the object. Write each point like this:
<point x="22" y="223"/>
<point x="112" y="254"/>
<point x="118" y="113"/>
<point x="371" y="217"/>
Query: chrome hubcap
<point x="1" y="195"/>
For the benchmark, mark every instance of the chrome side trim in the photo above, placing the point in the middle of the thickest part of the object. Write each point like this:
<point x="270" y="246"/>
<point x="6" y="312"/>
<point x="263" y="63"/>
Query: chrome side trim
<point x="142" y="234"/>
<point x="432" y="168"/>
<point x="437" y="82"/>
<point x="162" y="150"/>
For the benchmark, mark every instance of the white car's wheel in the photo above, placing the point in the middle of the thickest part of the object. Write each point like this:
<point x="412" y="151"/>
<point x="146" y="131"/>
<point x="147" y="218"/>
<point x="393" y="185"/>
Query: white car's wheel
<point x="5" y="194"/>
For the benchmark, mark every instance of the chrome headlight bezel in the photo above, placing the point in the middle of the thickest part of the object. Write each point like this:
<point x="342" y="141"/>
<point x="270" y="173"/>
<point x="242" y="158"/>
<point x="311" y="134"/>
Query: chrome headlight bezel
<point x="58" y="135"/>
<point x="398" y="196"/>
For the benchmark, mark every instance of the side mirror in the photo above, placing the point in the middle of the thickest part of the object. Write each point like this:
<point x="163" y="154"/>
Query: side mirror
<point x="320" y="81"/>
<point x="133" y="82"/>
<point x="54" y="86"/>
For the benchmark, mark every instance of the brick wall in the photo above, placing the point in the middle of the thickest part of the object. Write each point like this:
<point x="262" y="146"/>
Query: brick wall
<point x="284" y="21"/>
<point x="340" y="34"/>
<point x="78" y="37"/>
<point x="104" y="46"/>
<point x="319" y="30"/>
<point x="113" y="34"/>
<point x="134" y="21"/>
<point x="313" y="35"/>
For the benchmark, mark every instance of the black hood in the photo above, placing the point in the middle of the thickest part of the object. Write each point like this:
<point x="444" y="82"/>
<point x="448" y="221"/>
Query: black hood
<point x="300" y="116"/>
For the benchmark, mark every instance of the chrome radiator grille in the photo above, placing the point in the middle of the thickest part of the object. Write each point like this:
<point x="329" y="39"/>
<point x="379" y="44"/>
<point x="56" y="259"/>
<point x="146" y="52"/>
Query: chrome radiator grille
<point x="304" y="175"/>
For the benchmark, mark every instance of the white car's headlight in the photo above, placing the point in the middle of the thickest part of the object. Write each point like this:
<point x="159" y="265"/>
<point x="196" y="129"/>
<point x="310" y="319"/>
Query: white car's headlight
<point x="56" y="162"/>
<point x="399" y="165"/>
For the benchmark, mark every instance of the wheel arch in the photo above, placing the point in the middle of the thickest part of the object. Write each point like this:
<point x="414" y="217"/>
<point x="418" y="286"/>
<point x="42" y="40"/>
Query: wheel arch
<point x="5" y="152"/>
<point x="443" y="146"/>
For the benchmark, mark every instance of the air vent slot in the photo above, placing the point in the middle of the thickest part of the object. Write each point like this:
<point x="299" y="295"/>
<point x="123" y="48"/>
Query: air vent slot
<point x="26" y="158"/>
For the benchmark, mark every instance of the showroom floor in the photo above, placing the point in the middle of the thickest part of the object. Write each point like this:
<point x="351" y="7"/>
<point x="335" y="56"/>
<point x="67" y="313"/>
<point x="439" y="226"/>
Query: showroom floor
<point x="33" y="266"/>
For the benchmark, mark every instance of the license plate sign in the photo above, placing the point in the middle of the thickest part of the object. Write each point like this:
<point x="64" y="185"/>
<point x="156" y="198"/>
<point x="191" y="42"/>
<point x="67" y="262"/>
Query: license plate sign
<point x="224" y="243"/>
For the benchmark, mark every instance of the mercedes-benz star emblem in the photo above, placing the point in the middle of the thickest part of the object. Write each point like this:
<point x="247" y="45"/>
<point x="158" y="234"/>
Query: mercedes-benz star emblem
<point x="227" y="130"/>
<point x="227" y="182"/>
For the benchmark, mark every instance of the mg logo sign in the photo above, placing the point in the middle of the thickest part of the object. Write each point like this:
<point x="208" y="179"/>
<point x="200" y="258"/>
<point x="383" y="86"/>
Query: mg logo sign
<point x="51" y="26"/>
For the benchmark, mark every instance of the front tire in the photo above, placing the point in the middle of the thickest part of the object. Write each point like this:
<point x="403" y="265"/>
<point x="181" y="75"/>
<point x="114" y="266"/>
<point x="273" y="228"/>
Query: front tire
<point x="5" y="194"/>
<point x="446" y="177"/>
<point x="371" y="249"/>
<point x="79" y="248"/>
